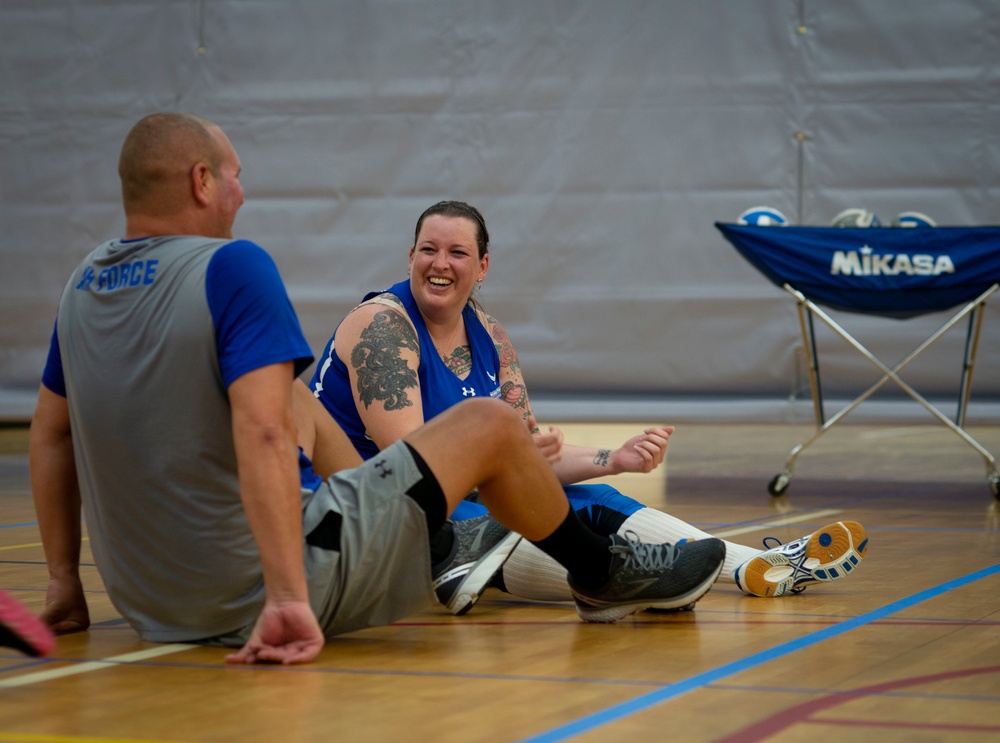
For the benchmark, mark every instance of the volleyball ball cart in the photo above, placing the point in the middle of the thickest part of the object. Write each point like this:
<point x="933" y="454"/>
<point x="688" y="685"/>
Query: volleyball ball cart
<point x="891" y="272"/>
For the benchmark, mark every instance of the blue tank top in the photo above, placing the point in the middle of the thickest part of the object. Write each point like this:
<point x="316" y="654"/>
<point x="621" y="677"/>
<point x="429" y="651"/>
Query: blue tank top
<point x="439" y="390"/>
<point x="439" y="387"/>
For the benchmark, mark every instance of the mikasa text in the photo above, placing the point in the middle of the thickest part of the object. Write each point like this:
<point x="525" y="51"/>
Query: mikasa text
<point x="865" y="262"/>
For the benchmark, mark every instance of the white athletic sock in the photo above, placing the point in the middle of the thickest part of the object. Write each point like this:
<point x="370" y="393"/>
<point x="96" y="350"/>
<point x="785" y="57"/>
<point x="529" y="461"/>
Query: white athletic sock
<point x="531" y="574"/>
<point x="651" y="525"/>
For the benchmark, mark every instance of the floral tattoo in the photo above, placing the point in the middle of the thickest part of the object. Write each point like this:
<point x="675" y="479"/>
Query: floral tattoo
<point x="505" y="349"/>
<point x="459" y="361"/>
<point x="603" y="457"/>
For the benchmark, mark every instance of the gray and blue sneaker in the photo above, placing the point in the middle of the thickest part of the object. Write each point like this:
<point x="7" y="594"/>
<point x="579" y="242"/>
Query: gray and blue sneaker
<point x="480" y="548"/>
<point x="651" y="576"/>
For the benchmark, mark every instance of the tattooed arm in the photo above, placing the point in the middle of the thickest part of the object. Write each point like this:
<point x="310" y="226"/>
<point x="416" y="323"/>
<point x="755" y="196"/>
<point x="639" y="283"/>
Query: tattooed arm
<point x="379" y="346"/>
<point x="512" y="389"/>
<point x="641" y="453"/>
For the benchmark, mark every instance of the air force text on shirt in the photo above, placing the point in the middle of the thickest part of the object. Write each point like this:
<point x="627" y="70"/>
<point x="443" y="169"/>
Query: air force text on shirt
<point x="119" y="277"/>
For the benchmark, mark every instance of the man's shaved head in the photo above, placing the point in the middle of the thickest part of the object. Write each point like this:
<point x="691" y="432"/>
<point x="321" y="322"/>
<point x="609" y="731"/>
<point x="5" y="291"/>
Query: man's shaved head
<point x="157" y="158"/>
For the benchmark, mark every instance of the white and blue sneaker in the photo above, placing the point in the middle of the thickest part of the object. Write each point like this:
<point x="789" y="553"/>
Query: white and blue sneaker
<point x="826" y="555"/>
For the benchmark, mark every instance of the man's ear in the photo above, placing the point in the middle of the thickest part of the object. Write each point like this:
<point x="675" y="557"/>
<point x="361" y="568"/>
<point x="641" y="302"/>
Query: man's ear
<point x="201" y="183"/>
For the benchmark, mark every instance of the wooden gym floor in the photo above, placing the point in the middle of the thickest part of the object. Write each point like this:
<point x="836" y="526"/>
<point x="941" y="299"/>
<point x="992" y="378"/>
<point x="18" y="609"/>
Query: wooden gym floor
<point x="907" y="648"/>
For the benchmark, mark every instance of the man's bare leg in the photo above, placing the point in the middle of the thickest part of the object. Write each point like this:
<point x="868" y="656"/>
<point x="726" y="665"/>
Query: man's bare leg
<point x="484" y="443"/>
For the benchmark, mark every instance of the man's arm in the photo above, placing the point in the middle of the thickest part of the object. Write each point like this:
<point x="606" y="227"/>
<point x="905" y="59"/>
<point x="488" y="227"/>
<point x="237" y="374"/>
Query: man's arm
<point x="267" y="457"/>
<point x="57" y="504"/>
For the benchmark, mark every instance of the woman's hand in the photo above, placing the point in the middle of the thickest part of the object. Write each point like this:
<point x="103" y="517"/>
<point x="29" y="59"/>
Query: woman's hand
<point x="549" y="444"/>
<point x="642" y="453"/>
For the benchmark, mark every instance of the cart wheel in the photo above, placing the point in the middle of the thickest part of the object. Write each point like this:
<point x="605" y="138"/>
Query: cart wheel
<point x="994" y="481"/>
<point x="778" y="485"/>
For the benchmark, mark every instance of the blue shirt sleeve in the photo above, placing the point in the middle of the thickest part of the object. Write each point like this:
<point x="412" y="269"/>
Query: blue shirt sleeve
<point x="52" y="375"/>
<point x="255" y="324"/>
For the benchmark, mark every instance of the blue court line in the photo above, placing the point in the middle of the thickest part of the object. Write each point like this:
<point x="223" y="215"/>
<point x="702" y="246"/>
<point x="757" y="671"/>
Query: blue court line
<point x="640" y="703"/>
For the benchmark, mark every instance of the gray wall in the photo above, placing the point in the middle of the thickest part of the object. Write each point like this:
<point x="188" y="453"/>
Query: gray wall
<point x="601" y="140"/>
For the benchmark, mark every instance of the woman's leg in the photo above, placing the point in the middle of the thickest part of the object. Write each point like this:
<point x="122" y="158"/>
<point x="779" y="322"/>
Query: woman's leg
<point x="656" y="526"/>
<point x="530" y="574"/>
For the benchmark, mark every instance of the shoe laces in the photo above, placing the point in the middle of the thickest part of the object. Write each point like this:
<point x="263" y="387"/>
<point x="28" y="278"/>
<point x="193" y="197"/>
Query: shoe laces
<point x="771" y="542"/>
<point x="649" y="557"/>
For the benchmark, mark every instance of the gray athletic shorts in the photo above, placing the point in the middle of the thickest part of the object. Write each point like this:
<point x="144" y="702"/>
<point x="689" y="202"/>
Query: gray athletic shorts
<point x="382" y="570"/>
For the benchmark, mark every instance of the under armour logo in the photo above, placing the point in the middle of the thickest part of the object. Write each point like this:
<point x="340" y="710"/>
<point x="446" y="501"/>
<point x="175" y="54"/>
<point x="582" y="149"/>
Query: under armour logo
<point x="382" y="471"/>
<point x="468" y="392"/>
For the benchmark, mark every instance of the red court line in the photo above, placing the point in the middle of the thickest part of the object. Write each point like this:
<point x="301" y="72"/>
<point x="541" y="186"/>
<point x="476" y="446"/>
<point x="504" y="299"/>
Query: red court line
<point x="801" y="713"/>
<point x="703" y="621"/>
<point x="905" y="725"/>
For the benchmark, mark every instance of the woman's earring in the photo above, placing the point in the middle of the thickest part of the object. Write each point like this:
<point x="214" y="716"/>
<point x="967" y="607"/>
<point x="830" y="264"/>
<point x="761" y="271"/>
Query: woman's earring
<point x="479" y="285"/>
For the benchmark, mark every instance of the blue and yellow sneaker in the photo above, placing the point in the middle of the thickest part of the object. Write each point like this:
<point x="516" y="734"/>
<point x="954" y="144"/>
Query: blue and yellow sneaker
<point x="825" y="555"/>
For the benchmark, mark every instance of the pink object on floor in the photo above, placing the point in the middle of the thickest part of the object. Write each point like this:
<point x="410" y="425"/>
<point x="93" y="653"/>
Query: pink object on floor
<point x="22" y="630"/>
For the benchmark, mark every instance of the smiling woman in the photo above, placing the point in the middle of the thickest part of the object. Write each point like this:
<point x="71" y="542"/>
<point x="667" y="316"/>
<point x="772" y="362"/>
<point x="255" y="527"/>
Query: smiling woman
<point x="409" y="353"/>
<point x="449" y="258"/>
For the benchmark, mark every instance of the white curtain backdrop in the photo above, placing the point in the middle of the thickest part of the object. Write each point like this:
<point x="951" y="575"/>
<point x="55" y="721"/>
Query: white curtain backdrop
<point x="601" y="141"/>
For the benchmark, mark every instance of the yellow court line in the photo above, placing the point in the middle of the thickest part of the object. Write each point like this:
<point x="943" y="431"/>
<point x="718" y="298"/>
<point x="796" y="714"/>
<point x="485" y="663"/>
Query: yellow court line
<point x="29" y="738"/>
<point x="95" y="665"/>
<point x="25" y="546"/>
<point x="19" y="547"/>
<point x="785" y="521"/>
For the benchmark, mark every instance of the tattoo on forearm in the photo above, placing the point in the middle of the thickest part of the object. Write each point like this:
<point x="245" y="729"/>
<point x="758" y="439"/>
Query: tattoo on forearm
<point x="382" y="372"/>
<point x="514" y="395"/>
<point x="603" y="457"/>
